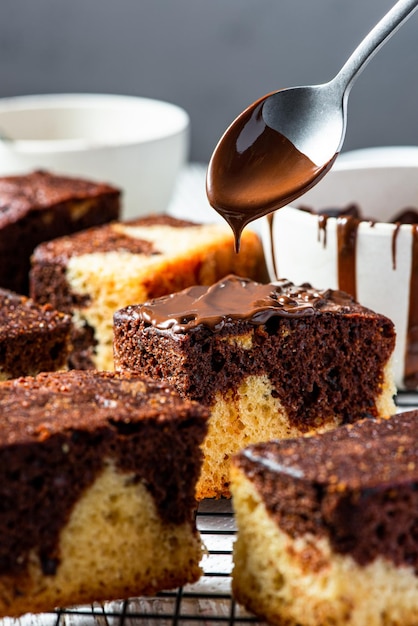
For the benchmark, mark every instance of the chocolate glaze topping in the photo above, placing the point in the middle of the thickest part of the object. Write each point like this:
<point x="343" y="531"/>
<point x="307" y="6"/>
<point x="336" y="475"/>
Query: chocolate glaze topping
<point x="356" y="485"/>
<point x="235" y="298"/>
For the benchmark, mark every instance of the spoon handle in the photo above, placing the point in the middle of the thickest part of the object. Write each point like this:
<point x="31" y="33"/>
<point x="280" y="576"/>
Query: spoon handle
<point x="386" y="27"/>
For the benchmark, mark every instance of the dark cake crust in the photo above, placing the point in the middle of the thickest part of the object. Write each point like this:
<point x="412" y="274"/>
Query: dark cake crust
<point x="33" y="338"/>
<point x="40" y="206"/>
<point x="305" y="337"/>
<point x="58" y="432"/>
<point x="356" y="485"/>
<point x="49" y="262"/>
<point x="50" y="259"/>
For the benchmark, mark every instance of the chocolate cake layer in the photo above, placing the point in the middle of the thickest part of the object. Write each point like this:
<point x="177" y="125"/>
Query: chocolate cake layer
<point x="33" y="338"/>
<point x="356" y="485"/>
<point x="93" y="273"/>
<point x="320" y="349"/>
<point x="40" y="206"/>
<point x="59" y="431"/>
<point x="48" y="279"/>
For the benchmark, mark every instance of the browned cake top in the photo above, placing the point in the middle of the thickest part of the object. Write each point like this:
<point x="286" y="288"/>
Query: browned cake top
<point x="356" y="485"/>
<point x="364" y="455"/>
<point x="39" y="190"/>
<point x="235" y="298"/>
<point x="106" y="238"/>
<point x="34" y="409"/>
<point x="59" y="431"/>
<point x="21" y="316"/>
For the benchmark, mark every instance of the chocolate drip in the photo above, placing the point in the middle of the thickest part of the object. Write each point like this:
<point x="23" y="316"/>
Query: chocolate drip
<point x="394" y="243"/>
<point x="270" y="220"/>
<point x="352" y="210"/>
<point x="348" y="220"/>
<point x="406" y="216"/>
<point x="411" y="353"/>
<point x="347" y="227"/>
<point x="322" y="228"/>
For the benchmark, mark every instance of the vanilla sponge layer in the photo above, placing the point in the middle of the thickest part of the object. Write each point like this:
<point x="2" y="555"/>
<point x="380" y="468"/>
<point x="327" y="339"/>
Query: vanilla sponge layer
<point x="114" y="546"/>
<point x="251" y="414"/>
<point x="302" y="582"/>
<point x="187" y="256"/>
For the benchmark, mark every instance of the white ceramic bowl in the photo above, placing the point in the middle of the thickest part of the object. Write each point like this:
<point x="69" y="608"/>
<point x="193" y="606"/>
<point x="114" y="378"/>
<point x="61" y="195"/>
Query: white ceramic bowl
<point x="137" y="144"/>
<point x="383" y="182"/>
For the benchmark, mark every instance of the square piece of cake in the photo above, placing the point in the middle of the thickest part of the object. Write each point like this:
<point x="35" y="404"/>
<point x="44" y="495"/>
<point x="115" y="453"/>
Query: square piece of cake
<point x="97" y="489"/>
<point x="92" y="274"/>
<point x="328" y="526"/>
<point x="39" y="206"/>
<point x="269" y="360"/>
<point x="33" y="337"/>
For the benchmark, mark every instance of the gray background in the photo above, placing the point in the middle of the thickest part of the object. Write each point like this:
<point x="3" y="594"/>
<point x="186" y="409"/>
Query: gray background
<point x="213" y="57"/>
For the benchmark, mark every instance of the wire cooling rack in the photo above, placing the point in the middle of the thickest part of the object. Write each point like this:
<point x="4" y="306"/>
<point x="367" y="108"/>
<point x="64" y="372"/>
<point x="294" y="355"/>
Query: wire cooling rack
<point x="208" y="601"/>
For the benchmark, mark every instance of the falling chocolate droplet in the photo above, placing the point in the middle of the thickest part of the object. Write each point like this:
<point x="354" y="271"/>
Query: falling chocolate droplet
<point x="256" y="170"/>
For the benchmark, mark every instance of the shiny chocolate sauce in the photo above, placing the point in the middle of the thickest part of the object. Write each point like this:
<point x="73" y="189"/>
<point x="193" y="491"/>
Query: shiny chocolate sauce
<point x="235" y="298"/>
<point x="349" y="212"/>
<point x="407" y="216"/>
<point x="348" y="220"/>
<point x="346" y="240"/>
<point x="411" y="356"/>
<point x="255" y="170"/>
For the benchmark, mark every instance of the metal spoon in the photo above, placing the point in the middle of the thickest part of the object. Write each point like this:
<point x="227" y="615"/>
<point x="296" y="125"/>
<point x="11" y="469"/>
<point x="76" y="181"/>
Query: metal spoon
<point x="285" y="142"/>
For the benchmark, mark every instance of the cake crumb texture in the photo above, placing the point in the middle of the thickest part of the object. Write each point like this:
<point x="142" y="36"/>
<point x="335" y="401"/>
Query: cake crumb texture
<point x="240" y="417"/>
<point x="33" y="337"/>
<point x="95" y="505"/>
<point x="114" y="546"/>
<point x="327" y="526"/>
<point x="268" y="360"/>
<point x="92" y="274"/>
<point x="303" y="582"/>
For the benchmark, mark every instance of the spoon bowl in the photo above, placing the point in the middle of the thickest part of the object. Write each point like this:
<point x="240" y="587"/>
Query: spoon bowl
<point x="313" y="119"/>
<point x="285" y="142"/>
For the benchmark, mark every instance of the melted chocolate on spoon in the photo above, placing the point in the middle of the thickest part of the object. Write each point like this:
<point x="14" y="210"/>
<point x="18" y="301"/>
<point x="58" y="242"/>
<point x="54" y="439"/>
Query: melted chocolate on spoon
<point x="256" y="170"/>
